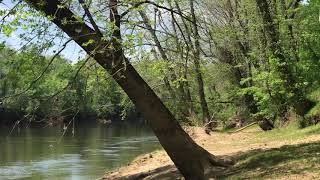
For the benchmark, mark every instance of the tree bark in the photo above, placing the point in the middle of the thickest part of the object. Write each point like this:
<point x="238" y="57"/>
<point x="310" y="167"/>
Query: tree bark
<point x="193" y="161"/>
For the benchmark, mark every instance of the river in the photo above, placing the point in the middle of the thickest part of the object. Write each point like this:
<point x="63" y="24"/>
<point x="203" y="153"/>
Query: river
<point x="43" y="153"/>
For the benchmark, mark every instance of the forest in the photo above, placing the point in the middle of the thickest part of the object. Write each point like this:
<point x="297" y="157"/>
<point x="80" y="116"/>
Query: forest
<point x="218" y="64"/>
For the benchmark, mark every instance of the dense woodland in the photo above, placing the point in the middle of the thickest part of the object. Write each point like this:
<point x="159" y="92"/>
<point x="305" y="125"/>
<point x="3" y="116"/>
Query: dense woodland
<point x="194" y="62"/>
<point x="217" y="61"/>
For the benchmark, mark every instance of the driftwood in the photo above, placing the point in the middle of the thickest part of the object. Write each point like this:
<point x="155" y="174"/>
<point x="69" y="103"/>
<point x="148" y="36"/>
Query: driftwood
<point x="235" y="123"/>
<point x="243" y="128"/>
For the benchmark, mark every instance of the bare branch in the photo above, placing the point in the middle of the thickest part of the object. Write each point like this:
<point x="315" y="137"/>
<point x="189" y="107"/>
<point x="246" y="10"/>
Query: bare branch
<point x="88" y="14"/>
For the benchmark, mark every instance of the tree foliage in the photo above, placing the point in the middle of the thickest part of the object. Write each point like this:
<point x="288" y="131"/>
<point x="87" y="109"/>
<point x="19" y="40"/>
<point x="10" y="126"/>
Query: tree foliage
<point x="255" y="63"/>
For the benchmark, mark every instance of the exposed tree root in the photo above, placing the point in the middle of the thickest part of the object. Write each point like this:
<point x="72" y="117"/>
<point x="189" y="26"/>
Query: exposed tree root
<point x="214" y="168"/>
<point x="222" y="162"/>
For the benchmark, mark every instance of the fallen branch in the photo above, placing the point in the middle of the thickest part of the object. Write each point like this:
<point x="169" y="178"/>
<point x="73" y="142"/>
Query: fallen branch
<point x="243" y="128"/>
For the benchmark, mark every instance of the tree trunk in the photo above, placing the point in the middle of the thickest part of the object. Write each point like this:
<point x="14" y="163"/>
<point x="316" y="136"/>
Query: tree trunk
<point x="188" y="103"/>
<point x="165" y="57"/>
<point x="203" y="101"/>
<point x="227" y="57"/>
<point x="291" y="16"/>
<point x="196" y="58"/>
<point x="231" y="58"/>
<point x="162" y="53"/>
<point x="193" y="161"/>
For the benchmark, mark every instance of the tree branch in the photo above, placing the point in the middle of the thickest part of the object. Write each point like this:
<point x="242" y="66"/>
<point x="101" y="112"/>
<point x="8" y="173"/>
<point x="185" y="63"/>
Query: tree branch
<point x="88" y="14"/>
<point x="136" y="5"/>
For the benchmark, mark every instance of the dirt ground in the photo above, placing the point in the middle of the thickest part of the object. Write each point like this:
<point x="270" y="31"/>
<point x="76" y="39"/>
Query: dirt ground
<point x="248" y="148"/>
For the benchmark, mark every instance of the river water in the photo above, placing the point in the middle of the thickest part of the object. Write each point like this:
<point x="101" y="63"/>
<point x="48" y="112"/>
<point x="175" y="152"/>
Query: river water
<point x="43" y="153"/>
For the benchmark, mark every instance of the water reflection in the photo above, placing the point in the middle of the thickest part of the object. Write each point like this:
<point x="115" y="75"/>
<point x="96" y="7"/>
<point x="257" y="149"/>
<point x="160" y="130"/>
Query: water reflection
<point x="41" y="153"/>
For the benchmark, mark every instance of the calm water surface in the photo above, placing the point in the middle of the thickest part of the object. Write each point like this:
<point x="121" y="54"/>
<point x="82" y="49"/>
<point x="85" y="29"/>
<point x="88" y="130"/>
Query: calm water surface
<point x="43" y="153"/>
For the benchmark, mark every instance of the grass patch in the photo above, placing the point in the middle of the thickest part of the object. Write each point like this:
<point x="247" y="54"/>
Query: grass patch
<point x="297" y="161"/>
<point x="288" y="160"/>
<point x="291" y="132"/>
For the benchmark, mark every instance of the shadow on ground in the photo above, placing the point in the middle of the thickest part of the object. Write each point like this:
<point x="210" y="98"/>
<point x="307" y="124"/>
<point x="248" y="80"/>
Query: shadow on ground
<point x="288" y="160"/>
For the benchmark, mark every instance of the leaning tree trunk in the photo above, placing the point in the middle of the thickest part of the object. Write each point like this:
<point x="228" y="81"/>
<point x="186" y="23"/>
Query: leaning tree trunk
<point x="193" y="161"/>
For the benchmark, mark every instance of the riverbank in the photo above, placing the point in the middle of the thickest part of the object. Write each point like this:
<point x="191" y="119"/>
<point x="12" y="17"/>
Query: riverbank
<point x="281" y="153"/>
